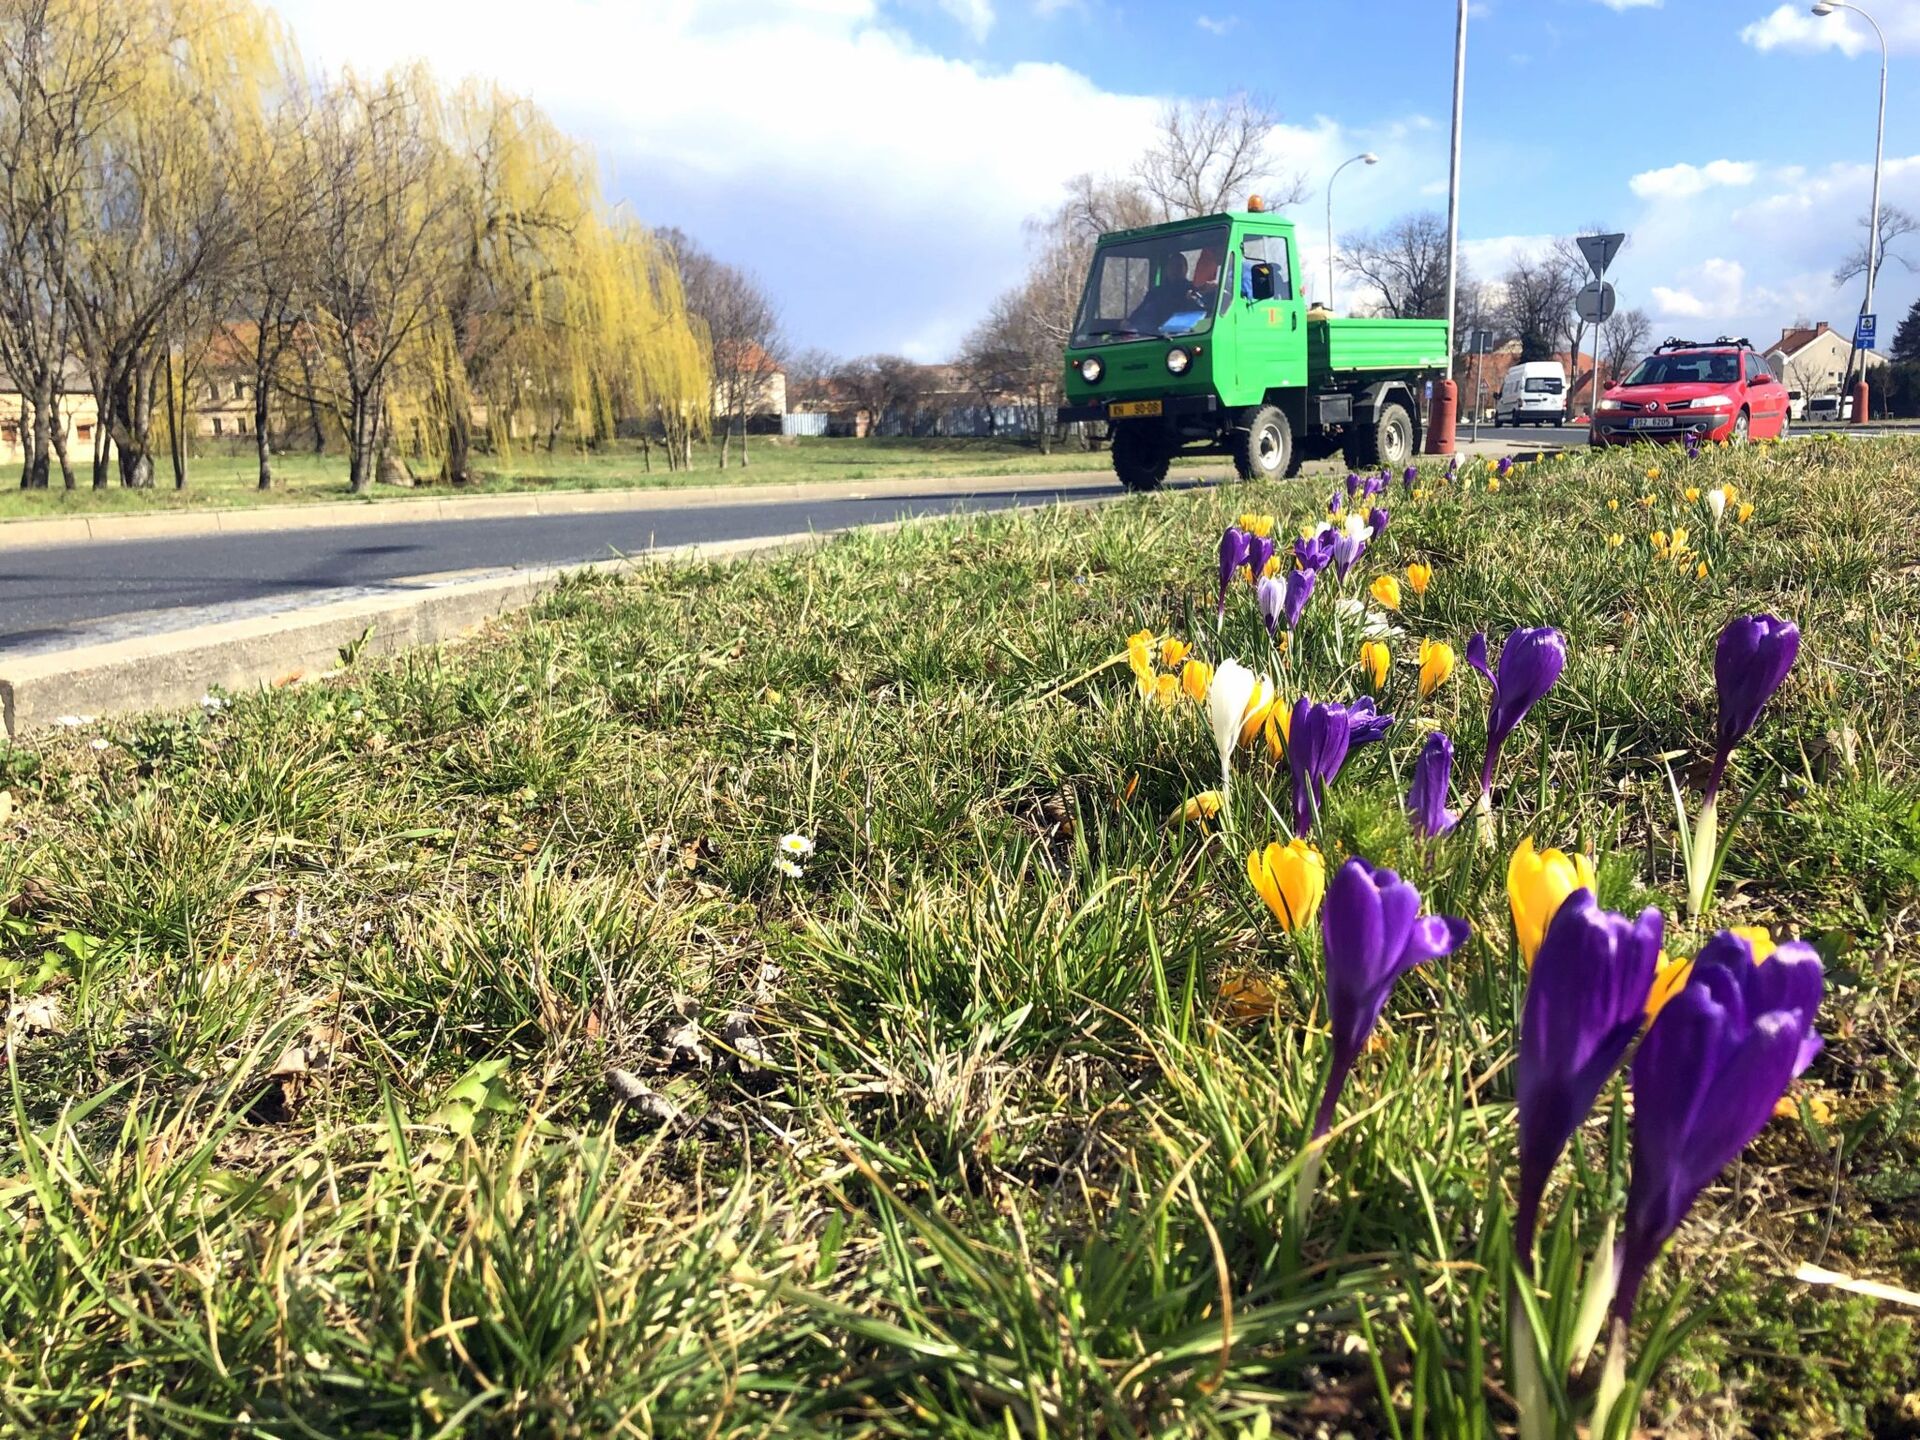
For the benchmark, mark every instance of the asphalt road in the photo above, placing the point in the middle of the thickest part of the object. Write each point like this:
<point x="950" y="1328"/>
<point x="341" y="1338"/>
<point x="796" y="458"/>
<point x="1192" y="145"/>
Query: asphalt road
<point x="58" y="596"/>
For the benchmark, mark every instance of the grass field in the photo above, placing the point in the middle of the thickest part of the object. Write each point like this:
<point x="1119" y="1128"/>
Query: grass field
<point x="440" y="1049"/>
<point x="228" y="475"/>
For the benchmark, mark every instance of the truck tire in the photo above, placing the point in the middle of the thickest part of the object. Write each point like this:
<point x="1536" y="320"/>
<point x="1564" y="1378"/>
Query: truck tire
<point x="1387" y="442"/>
<point x="1140" y="456"/>
<point x="1265" y="450"/>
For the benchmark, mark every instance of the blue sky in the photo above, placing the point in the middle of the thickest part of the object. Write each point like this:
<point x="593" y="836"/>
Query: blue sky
<point x="873" y="160"/>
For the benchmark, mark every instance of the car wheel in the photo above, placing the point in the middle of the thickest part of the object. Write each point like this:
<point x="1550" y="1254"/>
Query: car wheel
<point x="1741" y="424"/>
<point x="1141" y="455"/>
<point x="1265" y="449"/>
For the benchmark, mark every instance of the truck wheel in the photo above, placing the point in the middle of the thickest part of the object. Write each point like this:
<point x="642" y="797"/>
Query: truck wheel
<point x="1265" y="449"/>
<point x="1387" y="442"/>
<point x="1140" y="456"/>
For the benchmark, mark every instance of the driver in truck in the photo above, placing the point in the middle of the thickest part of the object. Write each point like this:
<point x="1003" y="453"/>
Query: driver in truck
<point x="1176" y="294"/>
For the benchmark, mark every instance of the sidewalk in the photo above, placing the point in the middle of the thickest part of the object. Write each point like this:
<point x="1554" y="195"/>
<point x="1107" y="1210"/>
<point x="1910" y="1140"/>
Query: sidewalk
<point x="81" y="529"/>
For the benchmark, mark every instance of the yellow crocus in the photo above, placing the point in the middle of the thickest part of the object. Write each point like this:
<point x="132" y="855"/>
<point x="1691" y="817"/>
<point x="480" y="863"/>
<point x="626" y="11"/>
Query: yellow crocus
<point x="1172" y="652"/>
<point x="1692" y="493"/>
<point x="1140" y="660"/>
<point x="1493" y="483"/>
<point x="1386" y="590"/>
<point x="1196" y="678"/>
<point x="1291" y="878"/>
<point x="1537" y="884"/>
<point x="1436" y="665"/>
<point x="1419" y="576"/>
<point x="1616" y="540"/>
<point x="1204" y="806"/>
<point x="1613" y="504"/>
<point x="1166" y="691"/>
<point x="1700" y="571"/>
<point x="1258" y="708"/>
<point x="1654" y="473"/>
<point x="1261" y="525"/>
<point x="1279" y="729"/>
<point x="1376" y="661"/>
<point x="1659" y="542"/>
<point x="1646" y="502"/>
<point x="1680" y="537"/>
<point x="1745" y="512"/>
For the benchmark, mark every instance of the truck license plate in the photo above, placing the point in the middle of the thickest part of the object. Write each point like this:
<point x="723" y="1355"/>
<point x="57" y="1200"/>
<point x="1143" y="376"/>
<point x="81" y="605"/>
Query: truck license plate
<point x="1653" y="423"/>
<point x="1132" y="409"/>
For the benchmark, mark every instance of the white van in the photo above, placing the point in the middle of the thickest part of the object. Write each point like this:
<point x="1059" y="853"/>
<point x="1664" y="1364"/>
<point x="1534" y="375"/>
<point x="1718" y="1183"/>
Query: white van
<point x="1534" y="393"/>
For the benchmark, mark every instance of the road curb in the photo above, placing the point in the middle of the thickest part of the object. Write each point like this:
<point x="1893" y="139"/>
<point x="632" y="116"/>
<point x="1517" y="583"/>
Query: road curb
<point x="171" y="671"/>
<point x="83" y="529"/>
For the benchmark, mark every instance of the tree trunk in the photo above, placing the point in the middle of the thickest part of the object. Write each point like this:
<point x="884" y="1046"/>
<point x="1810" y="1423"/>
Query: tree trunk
<point x="42" y="434"/>
<point x="102" y="437"/>
<point x="744" y="462"/>
<point x="133" y="429"/>
<point x="726" y="440"/>
<point x="176" y="426"/>
<point x="360" y="447"/>
<point x="60" y="449"/>
<point x="459" y="469"/>
<point x="262" y="430"/>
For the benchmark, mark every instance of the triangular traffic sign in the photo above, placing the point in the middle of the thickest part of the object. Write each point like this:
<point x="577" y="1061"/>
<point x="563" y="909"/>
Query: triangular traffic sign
<point x="1600" y="250"/>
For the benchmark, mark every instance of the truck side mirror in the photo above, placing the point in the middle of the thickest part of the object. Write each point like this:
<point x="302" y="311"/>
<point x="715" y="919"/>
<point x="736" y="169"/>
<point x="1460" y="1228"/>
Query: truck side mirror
<point x="1260" y="286"/>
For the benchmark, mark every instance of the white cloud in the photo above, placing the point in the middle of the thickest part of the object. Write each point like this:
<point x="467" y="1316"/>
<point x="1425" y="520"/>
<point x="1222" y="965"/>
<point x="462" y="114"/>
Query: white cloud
<point x="976" y="15"/>
<point x="1216" y="27"/>
<point x="1680" y="181"/>
<point x="1794" y="27"/>
<point x="1632" y="4"/>
<point x="1677" y="304"/>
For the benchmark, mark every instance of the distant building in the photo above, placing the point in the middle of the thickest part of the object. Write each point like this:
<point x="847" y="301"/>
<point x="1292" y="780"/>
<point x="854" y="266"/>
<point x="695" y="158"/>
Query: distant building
<point x="79" y="417"/>
<point x="1813" y="358"/>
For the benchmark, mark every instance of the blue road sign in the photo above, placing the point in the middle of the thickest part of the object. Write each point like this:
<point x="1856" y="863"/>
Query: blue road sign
<point x="1863" y="332"/>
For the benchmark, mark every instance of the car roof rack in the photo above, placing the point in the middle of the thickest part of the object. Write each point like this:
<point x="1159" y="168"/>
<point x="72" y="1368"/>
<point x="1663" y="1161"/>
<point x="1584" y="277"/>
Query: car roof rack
<point x="1674" y="343"/>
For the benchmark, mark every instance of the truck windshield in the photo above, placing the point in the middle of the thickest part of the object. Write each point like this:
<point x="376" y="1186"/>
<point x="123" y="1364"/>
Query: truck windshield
<point x="1685" y="369"/>
<point x="1156" y="287"/>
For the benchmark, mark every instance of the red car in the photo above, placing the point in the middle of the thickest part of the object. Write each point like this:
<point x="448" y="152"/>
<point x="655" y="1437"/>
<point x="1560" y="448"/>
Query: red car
<point x="1718" y="391"/>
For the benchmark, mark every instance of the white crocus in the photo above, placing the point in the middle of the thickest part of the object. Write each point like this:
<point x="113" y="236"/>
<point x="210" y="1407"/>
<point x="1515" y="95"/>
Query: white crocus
<point x="1357" y="528"/>
<point x="1717" y="503"/>
<point x="1234" y="691"/>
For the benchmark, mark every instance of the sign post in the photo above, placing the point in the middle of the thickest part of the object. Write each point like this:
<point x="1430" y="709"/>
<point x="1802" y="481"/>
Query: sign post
<point x="1596" y="304"/>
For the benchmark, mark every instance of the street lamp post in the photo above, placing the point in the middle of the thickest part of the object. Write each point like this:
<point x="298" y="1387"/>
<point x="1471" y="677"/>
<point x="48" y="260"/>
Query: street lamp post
<point x="1824" y="8"/>
<point x="1446" y="395"/>
<point x="1369" y="158"/>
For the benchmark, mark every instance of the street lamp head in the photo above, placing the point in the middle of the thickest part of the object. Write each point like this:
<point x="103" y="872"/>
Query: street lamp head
<point x="1371" y="158"/>
<point x="1825" y="7"/>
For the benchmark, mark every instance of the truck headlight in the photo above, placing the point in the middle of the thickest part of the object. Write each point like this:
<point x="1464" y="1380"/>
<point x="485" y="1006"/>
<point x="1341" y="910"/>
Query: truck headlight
<point x="1177" y="361"/>
<point x="1091" y="370"/>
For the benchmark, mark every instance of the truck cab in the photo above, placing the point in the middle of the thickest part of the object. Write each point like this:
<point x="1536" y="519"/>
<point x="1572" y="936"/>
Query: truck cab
<point x="1193" y="337"/>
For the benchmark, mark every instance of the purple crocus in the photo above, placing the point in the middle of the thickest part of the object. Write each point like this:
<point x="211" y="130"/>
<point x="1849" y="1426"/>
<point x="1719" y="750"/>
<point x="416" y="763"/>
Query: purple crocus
<point x="1716" y="1061"/>
<point x="1271" y="596"/>
<point x="1477" y="654"/>
<point x="1586" y="1001"/>
<point x="1335" y="502"/>
<point x="1349" y="545"/>
<point x="1316" y="553"/>
<point x="1505" y="467"/>
<point x="1530" y="663"/>
<point x="1378" y="519"/>
<point x="1692" y="443"/>
<point x="1374" y="933"/>
<point x="1365" y="723"/>
<point x="1299" y="590"/>
<point x="1753" y="657"/>
<point x="1259" y="552"/>
<point x="1233" y="554"/>
<point x="1408" y="479"/>
<point x="1377" y="484"/>
<point x="1427" y="796"/>
<point x="1318" y="738"/>
<point x="1353" y="485"/>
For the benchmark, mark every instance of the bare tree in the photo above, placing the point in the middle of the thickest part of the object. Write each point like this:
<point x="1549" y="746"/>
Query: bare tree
<point x="1623" y="338"/>
<point x="810" y="377"/>
<point x="742" y="328"/>
<point x="1209" y="153"/>
<point x="1405" y="264"/>
<point x="888" y="387"/>
<point x="1537" y="297"/>
<point x="1014" y="352"/>
<point x="1895" y="225"/>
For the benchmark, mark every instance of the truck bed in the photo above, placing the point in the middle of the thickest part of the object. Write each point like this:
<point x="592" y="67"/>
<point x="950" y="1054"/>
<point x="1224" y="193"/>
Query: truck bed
<point x="1357" y="343"/>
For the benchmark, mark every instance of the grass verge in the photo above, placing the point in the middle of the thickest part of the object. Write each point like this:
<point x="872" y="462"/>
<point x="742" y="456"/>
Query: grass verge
<point x="440" y="1049"/>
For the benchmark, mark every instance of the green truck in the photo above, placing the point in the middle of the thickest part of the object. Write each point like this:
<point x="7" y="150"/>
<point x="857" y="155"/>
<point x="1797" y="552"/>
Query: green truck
<point x="1193" y="337"/>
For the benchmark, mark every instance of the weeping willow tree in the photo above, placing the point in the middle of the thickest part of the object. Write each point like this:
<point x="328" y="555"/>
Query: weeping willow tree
<point x="555" y="319"/>
<point x="150" y="260"/>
